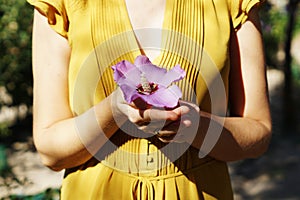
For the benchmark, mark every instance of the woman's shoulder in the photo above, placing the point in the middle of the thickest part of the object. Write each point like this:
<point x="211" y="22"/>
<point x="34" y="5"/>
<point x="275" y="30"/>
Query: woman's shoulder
<point x="59" y="5"/>
<point x="56" y="13"/>
<point x="239" y="10"/>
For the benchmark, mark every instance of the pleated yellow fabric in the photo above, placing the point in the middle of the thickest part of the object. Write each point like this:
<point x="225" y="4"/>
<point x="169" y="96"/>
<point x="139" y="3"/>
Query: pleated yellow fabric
<point x="196" y="35"/>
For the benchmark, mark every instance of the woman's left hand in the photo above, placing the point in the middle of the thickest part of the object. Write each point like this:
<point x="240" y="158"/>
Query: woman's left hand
<point x="184" y="129"/>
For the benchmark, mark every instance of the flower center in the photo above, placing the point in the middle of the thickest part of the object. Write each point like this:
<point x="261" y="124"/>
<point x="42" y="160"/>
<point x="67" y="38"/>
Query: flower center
<point x="145" y="87"/>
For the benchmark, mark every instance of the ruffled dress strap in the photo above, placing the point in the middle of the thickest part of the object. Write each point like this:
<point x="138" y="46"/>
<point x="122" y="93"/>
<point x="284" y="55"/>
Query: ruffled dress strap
<point x="239" y="10"/>
<point x="56" y="13"/>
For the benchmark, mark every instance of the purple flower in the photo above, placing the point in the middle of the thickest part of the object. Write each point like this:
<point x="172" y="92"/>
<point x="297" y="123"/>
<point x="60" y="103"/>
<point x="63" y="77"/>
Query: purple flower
<point x="148" y="82"/>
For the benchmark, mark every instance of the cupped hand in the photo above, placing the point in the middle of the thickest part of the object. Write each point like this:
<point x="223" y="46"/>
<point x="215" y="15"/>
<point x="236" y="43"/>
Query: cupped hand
<point x="184" y="129"/>
<point x="169" y="125"/>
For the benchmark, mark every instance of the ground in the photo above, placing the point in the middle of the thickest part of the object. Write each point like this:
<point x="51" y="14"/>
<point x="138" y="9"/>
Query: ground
<point x="276" y="175"/>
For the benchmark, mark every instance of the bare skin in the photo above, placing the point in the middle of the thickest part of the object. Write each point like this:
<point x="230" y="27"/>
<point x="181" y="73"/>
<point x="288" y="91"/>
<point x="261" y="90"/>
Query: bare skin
<point x="246" y="134"/>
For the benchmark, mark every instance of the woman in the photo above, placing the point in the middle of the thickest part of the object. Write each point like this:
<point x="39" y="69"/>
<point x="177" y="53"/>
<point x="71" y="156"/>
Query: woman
<point x="112" y="149"/>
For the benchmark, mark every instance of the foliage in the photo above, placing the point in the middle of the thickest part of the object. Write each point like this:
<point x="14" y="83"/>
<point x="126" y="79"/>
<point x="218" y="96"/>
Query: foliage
<point x="15" y="51"/>
<point x="15" y="40"/>
<point x="297" y="24"/>
<point x="274" y="24"/>
<point x="3" y="160"/>
<point x="296" y="72"/>
<point x="273" y="28"/>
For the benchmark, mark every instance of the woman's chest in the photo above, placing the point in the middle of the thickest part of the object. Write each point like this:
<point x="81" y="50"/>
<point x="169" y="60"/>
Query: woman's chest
<point x="145" y="13"/>
<point x="122" y="26"/>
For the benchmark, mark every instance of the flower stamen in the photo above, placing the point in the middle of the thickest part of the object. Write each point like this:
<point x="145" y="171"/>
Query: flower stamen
<point x="145" y="84"/>
<point x="145" y="87"/>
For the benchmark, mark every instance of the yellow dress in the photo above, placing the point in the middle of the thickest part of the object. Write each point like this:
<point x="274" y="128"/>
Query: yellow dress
<point x="196" y="35"/>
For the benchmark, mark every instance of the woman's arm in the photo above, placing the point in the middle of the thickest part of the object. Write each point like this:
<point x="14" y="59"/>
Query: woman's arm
<point x="57" y="133"/>
<point x="247" y="132"/>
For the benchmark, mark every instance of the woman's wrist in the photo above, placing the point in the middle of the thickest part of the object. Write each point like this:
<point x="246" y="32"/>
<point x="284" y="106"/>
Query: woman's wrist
<point x="117" y="107"/>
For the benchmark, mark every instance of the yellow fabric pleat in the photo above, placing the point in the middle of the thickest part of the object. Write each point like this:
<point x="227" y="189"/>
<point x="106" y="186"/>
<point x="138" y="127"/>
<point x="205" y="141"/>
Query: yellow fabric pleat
<point x="183" y="185"/>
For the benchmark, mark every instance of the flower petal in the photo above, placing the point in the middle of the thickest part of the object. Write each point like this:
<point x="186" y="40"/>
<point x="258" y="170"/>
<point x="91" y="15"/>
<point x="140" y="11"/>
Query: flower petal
<point x="164" y="97"/>
<point x="128" y="77"/>
<point x="153" y="73"/>
<point x="126" y="70"/>
<point x="122" y="69"/>
<point x="173" y="75"/>
<point x="129" y="92"/>
<point x="142" y="60"/>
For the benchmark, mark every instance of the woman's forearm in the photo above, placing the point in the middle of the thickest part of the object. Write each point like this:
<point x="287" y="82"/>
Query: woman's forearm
<point x="71" y="142"/>
<point x="235" y="138"/>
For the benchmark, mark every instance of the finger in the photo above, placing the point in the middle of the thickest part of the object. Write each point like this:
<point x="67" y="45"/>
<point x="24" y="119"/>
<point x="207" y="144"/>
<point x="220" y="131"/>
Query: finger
<point x="181" y="110"/>
<point x="168" y="115"/>
<point x="184" y="117"/>
<point x="189" y="105"/>
<point x="165" y="139"/>
<point x="170" y="127"/>
<point x="182" y="132"/>
<point x="152" y="127"/>
<point x="183" y="122"/>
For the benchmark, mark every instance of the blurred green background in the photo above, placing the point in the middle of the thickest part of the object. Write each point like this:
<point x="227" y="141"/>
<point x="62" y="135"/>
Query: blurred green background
<point x="281" y="32"/>
<point x="15" y="63"/>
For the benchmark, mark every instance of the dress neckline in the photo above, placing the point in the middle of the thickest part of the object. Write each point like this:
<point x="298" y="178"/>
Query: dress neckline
<point x="154" y="44"/>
